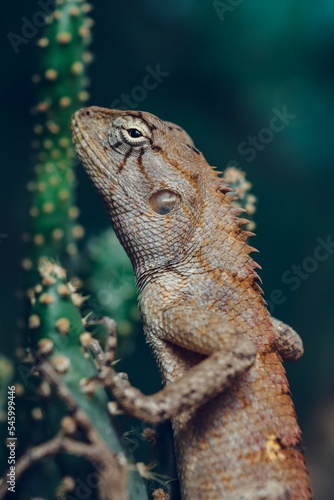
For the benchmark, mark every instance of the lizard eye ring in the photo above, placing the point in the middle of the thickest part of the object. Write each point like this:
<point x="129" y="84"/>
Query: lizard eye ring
<point x="162" y="202"/>
<point x="134" y="136"/>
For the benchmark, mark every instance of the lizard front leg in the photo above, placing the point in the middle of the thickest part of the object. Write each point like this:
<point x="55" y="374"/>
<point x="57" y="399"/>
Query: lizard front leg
<point x="229" y="353"/>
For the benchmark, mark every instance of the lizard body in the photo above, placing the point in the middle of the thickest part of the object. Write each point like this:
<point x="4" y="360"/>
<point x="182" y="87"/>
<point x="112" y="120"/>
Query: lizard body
<point x="219" y="350"/>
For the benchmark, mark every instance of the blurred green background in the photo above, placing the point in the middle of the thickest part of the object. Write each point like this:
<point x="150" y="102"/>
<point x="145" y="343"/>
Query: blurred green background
<point x="226" y="70"/>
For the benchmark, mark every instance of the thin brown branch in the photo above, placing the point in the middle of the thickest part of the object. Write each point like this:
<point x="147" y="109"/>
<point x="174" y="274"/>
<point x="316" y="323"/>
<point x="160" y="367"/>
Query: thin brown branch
<point x="111" y="470"/>
<point x="110" y="474"/>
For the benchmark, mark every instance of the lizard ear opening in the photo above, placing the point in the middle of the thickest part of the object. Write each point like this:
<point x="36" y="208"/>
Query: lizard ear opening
<point x="162" y="202"/>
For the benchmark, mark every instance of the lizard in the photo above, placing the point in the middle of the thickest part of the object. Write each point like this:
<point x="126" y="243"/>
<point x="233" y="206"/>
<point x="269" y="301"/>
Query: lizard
<point x="219" y="351"/>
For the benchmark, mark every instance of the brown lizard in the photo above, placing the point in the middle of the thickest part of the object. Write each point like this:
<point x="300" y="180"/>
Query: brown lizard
<point x="219" y="350"/>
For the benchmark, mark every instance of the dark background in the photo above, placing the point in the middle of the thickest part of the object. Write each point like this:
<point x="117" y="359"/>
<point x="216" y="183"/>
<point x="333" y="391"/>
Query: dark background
<point x="227" y="74"/>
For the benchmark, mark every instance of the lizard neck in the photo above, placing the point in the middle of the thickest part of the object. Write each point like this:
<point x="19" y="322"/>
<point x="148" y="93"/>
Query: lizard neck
<point x="215" y="273"/>
<point x="216" y="247"/>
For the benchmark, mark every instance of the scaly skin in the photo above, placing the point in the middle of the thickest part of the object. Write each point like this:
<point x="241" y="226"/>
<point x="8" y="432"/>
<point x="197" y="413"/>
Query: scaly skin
<point x="219" y="351"/>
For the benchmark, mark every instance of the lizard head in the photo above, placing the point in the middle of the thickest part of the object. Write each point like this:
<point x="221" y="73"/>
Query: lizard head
<point x="148" y="173"/>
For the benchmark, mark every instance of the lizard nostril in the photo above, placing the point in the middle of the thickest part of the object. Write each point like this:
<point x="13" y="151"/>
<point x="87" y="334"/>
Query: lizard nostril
<point x="87" y="113"/>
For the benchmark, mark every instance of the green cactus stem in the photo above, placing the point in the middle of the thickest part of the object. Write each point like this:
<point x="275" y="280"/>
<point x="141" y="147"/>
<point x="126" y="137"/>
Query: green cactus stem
<point x="61" y="89"/>
<point x="58" y="335"/>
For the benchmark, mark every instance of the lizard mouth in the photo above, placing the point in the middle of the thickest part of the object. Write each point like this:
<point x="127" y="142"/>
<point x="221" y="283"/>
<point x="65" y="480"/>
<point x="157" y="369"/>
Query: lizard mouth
<point x="82" y="132"/>
<point x="78" y="136"/>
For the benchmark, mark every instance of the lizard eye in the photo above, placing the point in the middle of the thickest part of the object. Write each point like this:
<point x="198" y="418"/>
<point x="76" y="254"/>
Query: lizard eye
<point x="134" y="133"/>
<point x="163" y="201"/>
